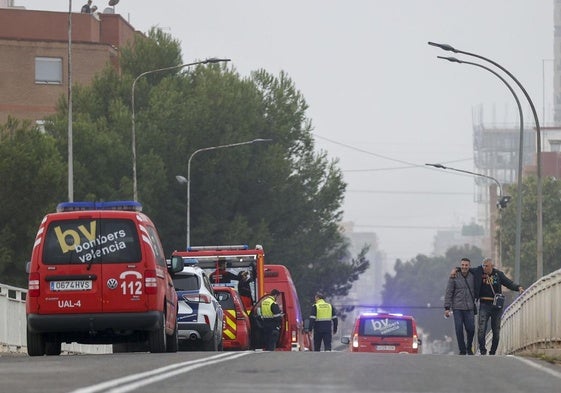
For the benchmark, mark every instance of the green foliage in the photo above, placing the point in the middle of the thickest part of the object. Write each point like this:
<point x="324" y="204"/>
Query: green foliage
<point x="551" y="225"/>
<point x="283" y="195"/>
<point x="32" y="174"/>
<point x="418" y="287"/>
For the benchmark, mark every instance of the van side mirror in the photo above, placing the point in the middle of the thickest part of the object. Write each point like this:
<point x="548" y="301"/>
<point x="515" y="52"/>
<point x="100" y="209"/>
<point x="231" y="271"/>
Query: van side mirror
<point x="28" y="267"/>
<point x="306" y="325"/>
<point x="345" y="340"/>
<point x="175" y="265"/>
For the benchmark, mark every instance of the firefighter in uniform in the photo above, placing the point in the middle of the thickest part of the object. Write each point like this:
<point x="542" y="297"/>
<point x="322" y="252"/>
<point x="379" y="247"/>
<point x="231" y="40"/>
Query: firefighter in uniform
<point x="323" y="321"/>
<point x="271" y="315"/>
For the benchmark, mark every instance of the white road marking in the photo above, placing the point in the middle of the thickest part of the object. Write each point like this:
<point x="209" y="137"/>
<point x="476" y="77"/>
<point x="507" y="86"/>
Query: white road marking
<point x="134" y="381"/>
<point x="556" y="374"/>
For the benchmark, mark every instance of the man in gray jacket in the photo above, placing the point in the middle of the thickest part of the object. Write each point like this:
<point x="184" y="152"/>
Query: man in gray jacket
<point x="460" y="299"/>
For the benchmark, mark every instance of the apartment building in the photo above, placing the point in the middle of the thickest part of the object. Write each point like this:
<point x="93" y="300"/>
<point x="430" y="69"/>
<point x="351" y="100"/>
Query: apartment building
<point x="34" y="56"/>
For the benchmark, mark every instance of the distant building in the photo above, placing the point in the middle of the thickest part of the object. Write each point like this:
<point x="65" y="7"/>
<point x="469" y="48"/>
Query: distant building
<point x="34" y="61"/>
<point x="446" y="239"/>
<point x="370" y="284"/>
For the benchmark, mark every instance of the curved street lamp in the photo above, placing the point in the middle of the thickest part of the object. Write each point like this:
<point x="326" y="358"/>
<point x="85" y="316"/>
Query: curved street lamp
<point x="134" y="182"/>
<point x="518" y="233"/>
<point x="183" y="180"/>
<point x="502" y="201"/>
<point x="539" y="197"/>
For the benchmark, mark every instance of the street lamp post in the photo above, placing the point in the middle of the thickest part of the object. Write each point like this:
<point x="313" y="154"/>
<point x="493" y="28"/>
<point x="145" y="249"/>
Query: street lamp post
<point x="503" y="200"/>
<point x="134" y="181"/>
<point x="539" y="230"/>
<point x="182" y="179"/>
<point x="70" y="143"/>
<point x="518" y="233"/>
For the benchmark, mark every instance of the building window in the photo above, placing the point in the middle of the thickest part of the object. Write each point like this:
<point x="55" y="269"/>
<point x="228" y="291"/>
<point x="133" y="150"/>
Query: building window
<point x="48" y="70"/>
<point x="555" y="145"/>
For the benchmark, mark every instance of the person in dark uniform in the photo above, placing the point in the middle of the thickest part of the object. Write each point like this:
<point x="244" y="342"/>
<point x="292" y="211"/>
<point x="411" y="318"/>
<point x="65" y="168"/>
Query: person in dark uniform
<point x="244" y="289"/>
<point x="221" y="275"/>
<point x="271" y="316"/>
<point x="323" y="320"/>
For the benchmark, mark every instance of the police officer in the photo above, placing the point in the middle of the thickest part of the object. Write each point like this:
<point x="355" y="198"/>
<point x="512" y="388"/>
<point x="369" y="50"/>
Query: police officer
<point x="323" y="320"/>
<point x="272" y="316"/>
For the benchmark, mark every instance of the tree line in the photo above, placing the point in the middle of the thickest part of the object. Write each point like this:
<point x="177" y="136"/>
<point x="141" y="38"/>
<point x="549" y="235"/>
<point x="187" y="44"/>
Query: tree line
<point x="284" y="195"/>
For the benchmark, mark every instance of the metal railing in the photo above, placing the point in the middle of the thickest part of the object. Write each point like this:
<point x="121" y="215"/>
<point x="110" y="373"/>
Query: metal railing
<point x="13" y="325"/>
<point x="532" y="323"/>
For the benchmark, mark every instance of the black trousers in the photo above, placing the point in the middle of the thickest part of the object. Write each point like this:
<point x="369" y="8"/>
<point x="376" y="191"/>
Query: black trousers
<point x="271" y="332"/>
<point x="322" y="335"/>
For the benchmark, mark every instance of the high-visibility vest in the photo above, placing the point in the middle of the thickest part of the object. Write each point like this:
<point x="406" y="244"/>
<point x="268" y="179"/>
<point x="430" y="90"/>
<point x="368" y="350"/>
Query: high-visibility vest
<point x="324" y="311"/>
<point x="266" y="304"/>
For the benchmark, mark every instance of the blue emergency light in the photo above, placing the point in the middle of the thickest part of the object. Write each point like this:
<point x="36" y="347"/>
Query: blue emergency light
<point x="112" y="205"/>
<point x="190" y="262"/>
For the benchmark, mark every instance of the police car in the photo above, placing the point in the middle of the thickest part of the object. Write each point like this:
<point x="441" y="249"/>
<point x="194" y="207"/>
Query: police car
<point x="200" y="316"/>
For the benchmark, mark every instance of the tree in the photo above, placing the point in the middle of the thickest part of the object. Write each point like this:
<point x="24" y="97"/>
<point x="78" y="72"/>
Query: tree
<point x="551" y="189"/>
<point x="283" y="195"/>
<point x="418" y="287"/>
<point x="32" y="174"/>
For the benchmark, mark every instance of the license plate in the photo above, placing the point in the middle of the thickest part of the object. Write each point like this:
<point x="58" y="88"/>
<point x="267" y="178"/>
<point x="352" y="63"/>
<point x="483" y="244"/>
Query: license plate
<point x="385" y="347"/>
<point x="75" y="285"/>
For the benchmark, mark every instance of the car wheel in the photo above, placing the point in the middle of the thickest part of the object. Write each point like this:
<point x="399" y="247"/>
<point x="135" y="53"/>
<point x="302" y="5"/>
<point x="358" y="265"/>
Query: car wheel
<point x="52" y="348"/>
<point x="172" y="342"/>
<point x="213" y="343"/>
<point x="157" y="338"/>
<point x="35" y="344"/>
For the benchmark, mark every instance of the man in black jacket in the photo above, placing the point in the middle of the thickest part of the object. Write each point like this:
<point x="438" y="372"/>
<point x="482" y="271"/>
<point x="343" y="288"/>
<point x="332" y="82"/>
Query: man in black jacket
<point x="488" y="282"/>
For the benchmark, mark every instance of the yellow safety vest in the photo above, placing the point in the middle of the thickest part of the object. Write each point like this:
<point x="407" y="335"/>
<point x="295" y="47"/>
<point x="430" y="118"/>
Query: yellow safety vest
<point x="324" y="311"/>
<point x="266" y="304"/>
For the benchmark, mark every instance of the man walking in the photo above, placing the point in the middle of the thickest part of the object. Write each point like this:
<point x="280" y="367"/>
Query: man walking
<point x="323" y="320"/>
<point x="459" y="298"/>
<point x="488" y="282"/>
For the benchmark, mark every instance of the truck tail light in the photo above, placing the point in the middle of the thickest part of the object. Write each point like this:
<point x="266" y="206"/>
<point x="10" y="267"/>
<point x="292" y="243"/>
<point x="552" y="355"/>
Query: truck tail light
<point x="355" y="340"/>
<point x="294" y="337"/>
<point x="33" y="284"/>
<point x="150" y="282"/>
<point x="415" y="342"/>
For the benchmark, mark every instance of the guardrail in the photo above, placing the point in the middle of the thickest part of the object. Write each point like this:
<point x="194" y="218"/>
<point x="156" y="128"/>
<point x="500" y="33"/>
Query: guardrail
<point x="12" y="318"/>
<point x="13" y="325"/>
<point x="532" y="323"/>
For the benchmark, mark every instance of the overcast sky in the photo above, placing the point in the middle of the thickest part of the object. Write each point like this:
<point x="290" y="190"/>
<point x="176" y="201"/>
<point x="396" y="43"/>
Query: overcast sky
<point x="379" y="99"/>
